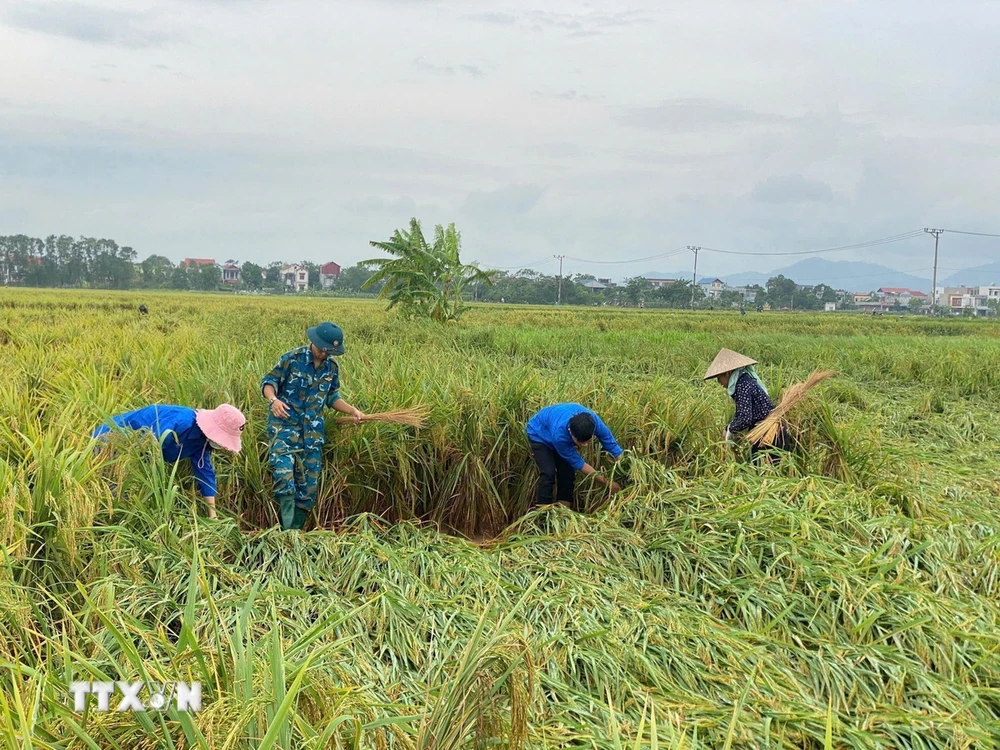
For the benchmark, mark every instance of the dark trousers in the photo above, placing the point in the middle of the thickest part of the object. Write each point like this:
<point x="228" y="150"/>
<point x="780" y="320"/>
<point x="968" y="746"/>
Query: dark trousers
<point x="553" y="472"/>
<point x="769" y="453"/>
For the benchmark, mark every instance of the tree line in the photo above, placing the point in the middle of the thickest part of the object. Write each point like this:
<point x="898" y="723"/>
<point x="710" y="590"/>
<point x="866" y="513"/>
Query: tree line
<point x="87" y="262"/>
<point x="419" y="266"/>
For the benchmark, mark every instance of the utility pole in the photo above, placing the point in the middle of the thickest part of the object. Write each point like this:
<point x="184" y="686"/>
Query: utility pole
<point x="937" y="233"/>
<point x="559" y="293"/>
<point x="694" y="274"/>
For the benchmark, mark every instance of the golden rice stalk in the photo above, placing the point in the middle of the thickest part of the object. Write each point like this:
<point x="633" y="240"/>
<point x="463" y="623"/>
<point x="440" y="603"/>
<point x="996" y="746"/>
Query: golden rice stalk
<point x="415" y="416"/>
<point x="766" y="431"/>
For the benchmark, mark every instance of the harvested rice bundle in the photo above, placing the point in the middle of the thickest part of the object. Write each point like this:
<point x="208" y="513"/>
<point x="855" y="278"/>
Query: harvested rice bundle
<point x="766" y="432"/>
<point x="415" y="416"/>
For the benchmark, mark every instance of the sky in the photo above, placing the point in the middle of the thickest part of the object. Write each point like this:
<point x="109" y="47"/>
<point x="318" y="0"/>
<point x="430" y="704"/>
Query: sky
<point x="262" y="130"/>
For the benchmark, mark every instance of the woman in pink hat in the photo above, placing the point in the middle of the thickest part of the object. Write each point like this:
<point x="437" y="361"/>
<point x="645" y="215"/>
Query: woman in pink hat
<point x="188" y="433"/>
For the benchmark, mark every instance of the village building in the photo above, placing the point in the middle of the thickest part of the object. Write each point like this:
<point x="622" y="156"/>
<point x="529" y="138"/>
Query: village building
<point x="295" y="277"/>
<point x="328" y="274"/>
<point x="197" y="262"/>
<point x="230" y="272"/>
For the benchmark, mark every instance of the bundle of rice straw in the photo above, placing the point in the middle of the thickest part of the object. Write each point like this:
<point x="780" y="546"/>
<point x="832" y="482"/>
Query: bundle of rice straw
<point x="414" y="416"/>
<point x="766" y="432"/>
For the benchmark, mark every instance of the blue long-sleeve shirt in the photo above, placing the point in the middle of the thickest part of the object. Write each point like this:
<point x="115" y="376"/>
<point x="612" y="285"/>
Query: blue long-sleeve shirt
<point x="550" y="427"/>
<point x="179" y="437"/>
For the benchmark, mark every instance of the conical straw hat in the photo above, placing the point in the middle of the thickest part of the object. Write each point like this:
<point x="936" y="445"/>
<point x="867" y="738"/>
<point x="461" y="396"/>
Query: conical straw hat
<point x="726" y="361"/>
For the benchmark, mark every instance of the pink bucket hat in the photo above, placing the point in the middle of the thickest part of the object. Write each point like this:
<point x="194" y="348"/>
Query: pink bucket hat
<point x="222" y="425"/>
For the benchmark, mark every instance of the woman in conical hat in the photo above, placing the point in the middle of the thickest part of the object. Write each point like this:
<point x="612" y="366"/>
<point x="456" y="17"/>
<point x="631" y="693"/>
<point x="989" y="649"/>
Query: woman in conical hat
<point x="736" y="373"/>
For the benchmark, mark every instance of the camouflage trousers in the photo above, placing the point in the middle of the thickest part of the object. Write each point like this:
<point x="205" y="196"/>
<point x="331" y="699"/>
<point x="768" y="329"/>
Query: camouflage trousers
<point x="295" y="452"/>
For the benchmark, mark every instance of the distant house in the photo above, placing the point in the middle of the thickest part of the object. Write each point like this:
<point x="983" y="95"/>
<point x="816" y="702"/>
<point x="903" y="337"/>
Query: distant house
<point x="748" y="293"/>
<point x="660" y="283"/>
<point x="230" y="273"/>
<point x="830" y="307"/>
<point x="9" y="271"/>
<point x="974" y="298"/>
<point x="328" y="274"/>
<point x="712" y="287"/>
<point x="893" y="294"/>
<point x="875" y="305"/>
<point x="594" y="284"/>
<point x="197" y="262"/>
<point x="861" y="296"/>
<point x="295" y="277"/>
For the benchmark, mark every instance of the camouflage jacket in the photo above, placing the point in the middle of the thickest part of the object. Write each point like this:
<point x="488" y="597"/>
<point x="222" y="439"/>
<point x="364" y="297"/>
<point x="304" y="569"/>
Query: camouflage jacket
<point x="305" y="389"/>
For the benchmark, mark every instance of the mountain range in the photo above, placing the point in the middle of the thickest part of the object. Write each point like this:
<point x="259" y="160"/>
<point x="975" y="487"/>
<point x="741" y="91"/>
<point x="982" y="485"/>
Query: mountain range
<point x="854" y="276"/>
<point x="978" y="276"/>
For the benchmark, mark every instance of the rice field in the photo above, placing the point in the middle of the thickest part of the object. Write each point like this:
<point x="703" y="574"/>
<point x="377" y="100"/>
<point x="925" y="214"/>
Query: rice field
<point x="845" y="598"/>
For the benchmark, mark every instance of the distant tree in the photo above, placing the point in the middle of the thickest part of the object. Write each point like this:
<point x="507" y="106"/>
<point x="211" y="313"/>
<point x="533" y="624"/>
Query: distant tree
<point x="272" y="276"/>
<point x="313" y="270"/>
<point x="677" y="295"/>
<point x="352" y="278"/>
<point x="780" y="291"/>
<point x="424" y="279"/>
<point x="156" y="271"/>
<point x="209" y="278"/>
<point x="179" y="278"/>
<point x="915" y="304"/>
<point x="637" y="289"/>
<point x="252" y="275"/>
<point x="825" y="293"/>
<point x="730" y="299"/>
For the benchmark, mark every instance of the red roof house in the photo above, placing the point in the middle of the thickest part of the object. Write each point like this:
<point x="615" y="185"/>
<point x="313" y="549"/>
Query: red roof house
<point x="328" y="272"/>
<point x="188" y="262"/>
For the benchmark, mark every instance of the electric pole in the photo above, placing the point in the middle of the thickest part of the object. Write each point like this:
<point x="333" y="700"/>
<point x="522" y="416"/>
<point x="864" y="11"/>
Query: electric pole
<point x="694" y="274"/>
<point x="937" y="234"/>
<point x="559" y="293"/>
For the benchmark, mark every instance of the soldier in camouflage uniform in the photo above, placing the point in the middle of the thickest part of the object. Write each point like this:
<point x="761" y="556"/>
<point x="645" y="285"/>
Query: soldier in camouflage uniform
<point x="303" y="383"/>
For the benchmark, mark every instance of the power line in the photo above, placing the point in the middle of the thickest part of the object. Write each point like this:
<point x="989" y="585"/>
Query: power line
<point x="660" y="256"/>
<point x="857" y="246"/>
<point x="521" y="266"/>
<point x="816" y="251"/>
<point x="975" y="234"/>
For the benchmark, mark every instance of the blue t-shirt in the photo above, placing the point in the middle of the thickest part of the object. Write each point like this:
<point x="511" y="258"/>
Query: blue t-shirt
<point x="184" y="439"/>
<point x="550" y="427"/>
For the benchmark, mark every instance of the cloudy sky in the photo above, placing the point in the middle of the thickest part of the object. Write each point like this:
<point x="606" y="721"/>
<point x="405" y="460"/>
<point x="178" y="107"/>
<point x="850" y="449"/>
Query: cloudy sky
<point x="301" y="129"/>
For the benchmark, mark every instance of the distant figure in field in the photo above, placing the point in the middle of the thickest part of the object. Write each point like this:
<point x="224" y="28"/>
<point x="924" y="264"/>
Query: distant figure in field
<point x="143" y="310"/>
<point x="736" y="373"/>
<point x="556" y="434"/>
<point x="187" y="433"/>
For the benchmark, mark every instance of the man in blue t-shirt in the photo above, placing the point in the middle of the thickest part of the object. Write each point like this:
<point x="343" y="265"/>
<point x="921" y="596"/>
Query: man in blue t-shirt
<point x="556" y="434"/>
